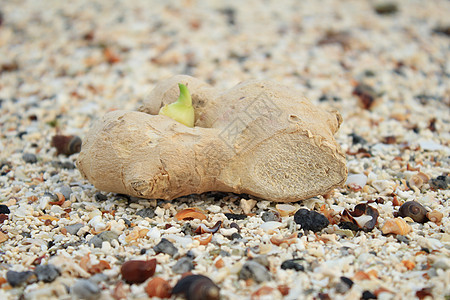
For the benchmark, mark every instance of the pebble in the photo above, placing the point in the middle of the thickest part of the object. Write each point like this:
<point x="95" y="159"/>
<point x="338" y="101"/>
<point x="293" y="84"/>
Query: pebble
<point x="292" y="264"/>
<point x="442" y="263"/>
<point x="138" y="271"/>
<point x="73" y="229"/>
<point x="310" y="220"/>
<point x="165" y="246"/>
<point x="29" y="158"/>
<point x="255" y="271"/>
<point x="47" y="273"/>
<point x="105" y="236"/>
<point x="100" y="197"/>
<point x="247" y="205"/>
<point x="236" y="236"/>
<point x="65" y="190"/>
<point x="440" y="182"/>
<point x="402" y="239"/>
<point x="183" y="265"/>
<point x="368" y="295"/>
<point x="344" y="285"/>
<point x="268" y="216"/>
<point x="154" y="233"/>
<point x="4" y="209"/>
<point x="146" y="213"/>
<point x="187" y="229"/>
<point x="356" y="181"/>
<point x="85" y="289"/>
<point x="231" y="216"/>
<point x="17" y="278"/>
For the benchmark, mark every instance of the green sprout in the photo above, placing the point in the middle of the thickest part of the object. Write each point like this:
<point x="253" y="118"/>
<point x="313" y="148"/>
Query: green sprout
<point x="182" y="110"/>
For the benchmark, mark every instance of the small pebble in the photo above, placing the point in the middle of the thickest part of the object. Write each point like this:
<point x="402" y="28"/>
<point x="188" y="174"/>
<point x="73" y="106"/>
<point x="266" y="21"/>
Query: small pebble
<point x="85" y="289"/>
<point x="235" y="216"/>
<point x="356" y="139"/>
<point x="247" y="205"/>
<point x="270" y="216"/>
<point x="65" y="190"/>
<point x="183" y="265"/>
<point x="197" y="287"/>
<point x="165" y="246"/>
<point x="368" y="295"/>
<point x="138" y="271"/>
<point x="17" y="278"/>
<point x="236" y="236"/>
<point x="386" y="8"/>
<point x="100" y="197"/>
<point x="187" y="229"/>
<point x="98" y="278"/>
<point x="67" y="165"/>
<point x="146" y="213"/>
<point x="105" y="236"/>
<point x="73" y="229"/>
<point x="347" y="281"/>
<point x="47" y="273"/>
<point x="255" y="271"/>
<point x="29" y="158"/>
<point x="292" y="264"/>
<point x="402" y="239"/>
<point x="4" y="209"/>
<point x="310" y="220"/>
<point x="442" y="263"/>
<point x="440" y="182"/>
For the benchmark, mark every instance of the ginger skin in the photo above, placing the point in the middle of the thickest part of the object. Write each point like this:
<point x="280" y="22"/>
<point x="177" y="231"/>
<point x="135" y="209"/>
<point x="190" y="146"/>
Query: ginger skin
<point x="259" y="138"/>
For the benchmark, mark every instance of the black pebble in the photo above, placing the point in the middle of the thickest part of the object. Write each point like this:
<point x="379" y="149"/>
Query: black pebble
<point x="29" y="158"/>
<point x="235" y="216"/>
<point x="68" y="165"/>
<point x="347" y="281"/>
<point x="165" y="246"/>
<point x="146" y="213"/>
<point x="356" y="139"/>
<point x="387" y="8"/>
<point x="17" y="278"/>
<point x="310" y="220"/>
<point x="4" y="209"/>
<point x="292" y="264"/>
<point x="100" y="197"/>
<point x="127" y="222"/>
<point x="236" y="236"/>
<point x="47" y="273"/>
<point x="368" y="295"/>
<point x="349" y="225"/>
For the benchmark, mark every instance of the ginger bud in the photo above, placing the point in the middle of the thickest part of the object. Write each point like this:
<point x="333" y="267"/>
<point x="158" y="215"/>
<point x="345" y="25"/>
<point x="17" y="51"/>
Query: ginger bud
<point x="181" y="111"/>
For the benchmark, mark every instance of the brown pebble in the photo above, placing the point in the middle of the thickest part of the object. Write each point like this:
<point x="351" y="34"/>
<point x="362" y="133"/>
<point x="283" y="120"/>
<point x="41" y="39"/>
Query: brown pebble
<point x="366" y="95"/>
<point x="158" y="287"/>
<point x="3" y="218"/>
<point x="66" y="144"/>
<point x="138" y="271"/>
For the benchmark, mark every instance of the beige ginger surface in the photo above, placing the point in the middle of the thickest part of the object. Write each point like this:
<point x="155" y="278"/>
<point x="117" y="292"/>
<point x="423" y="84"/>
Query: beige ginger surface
<point x="258" y="138"/>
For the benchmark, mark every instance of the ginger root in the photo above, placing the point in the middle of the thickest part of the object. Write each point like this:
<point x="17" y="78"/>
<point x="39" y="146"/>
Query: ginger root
<point x="258" y="138"/>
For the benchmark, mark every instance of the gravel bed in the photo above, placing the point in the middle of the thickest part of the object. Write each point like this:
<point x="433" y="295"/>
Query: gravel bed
<point x="383" y="64"/>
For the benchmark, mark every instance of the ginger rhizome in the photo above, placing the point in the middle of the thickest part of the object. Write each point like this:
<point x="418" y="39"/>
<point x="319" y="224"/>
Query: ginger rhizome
<point x="259" y="138"/>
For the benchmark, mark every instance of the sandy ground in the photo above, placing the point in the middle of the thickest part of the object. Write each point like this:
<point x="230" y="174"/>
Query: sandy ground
<point x="384" y="65"/>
